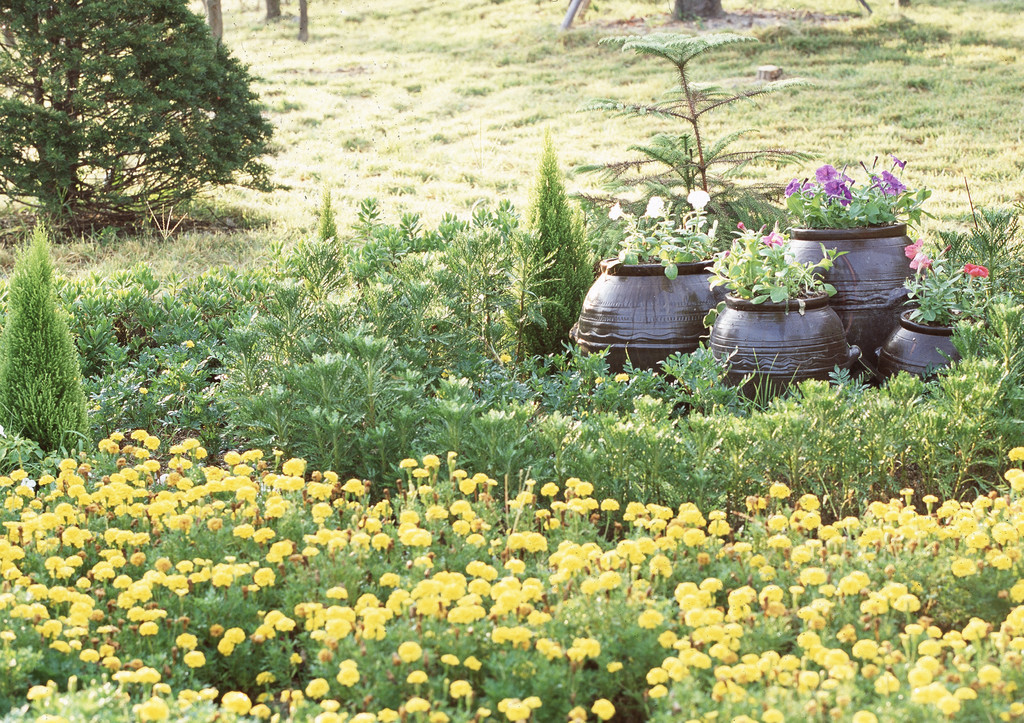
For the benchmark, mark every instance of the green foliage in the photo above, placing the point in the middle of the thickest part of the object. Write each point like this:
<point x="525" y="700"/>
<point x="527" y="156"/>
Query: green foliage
<point x="111" y="112"/>
<point x="674" y="164"/>
<point x="763" y="268"/>
<point x="994" y="239"/>
<point x="152" y="350"/>
<point x="559" y="259"/>
<point x="41" y="395"/>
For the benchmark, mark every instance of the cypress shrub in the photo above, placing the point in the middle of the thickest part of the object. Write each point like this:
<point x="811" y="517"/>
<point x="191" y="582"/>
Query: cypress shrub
<point x="558" y="234"/>
<point x="41" y="395"/>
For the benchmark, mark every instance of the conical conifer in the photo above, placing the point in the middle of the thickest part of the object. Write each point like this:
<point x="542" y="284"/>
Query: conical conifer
<point x="558" y="232"/>
<point x="41" y="396"/>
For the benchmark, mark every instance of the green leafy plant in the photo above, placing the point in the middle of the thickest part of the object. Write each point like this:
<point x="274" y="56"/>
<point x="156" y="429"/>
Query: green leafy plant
<point x="834" y="200"/>
<point x="762" y="268"/>
<point x="941" y="295"/>
<point x="674" y="164"/>
<point x="994" y="238"/>
<point x="41" y="395"/>
<point x="658" y="237"/>
<point x="558" y="262"/>
<point x="111" y="113"/>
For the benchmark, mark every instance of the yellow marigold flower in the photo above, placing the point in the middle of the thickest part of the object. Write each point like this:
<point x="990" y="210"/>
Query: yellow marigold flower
<point x="264" y="577"/>
<point x="658" y="691"/>
<point x="294" y="467"/>
<point x="431" y="461"/>
<point x="773" y="715"/>
<point x="472" y="663"/>
<point x="354" y="487"/>
<point x="416" y="677"/>
<point x="813" y="576"/>
<point x="650" y="619"/>
<point x="236" y="702"/>
<point x="149" y="628"/>
<point x="449" y="659"/>
<point x="460" y="689"/>
<point x="417" y="705"/>
<point x="603" y="708"/>
<point x="153" y="709"/>
<point x="964" y="567"/>
<point x="410" y="652"/>
<point x="990" y="674"/>
<point x="919" y="677"/>
<point x="194" y="659"/>
<point x="864" y="716"/>
<point x="38" y="692"/>
<point x="317" y="688"/>
<point x="1017" y="454"/>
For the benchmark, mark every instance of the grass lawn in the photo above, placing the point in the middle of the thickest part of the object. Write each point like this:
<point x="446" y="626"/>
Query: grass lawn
<point x="433" y="107"/>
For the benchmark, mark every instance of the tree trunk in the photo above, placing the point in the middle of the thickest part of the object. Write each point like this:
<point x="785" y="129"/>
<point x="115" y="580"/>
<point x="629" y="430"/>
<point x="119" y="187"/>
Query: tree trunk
<point x="303" y="21"/>
<point x="697" y="8"/>
<point x="215" y="19"/>
<point x="273" y="9"/>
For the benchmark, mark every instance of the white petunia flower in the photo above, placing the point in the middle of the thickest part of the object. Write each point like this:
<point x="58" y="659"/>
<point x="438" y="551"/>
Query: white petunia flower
<point x="655" y="207"/>
<point x="698" y="198"/>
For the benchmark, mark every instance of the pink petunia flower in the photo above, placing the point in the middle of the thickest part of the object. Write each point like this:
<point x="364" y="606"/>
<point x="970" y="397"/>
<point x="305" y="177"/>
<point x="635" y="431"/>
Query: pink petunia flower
<point x="914" y="249"/>
<point x="921" y="262"/>
<point x="976" y="271"/>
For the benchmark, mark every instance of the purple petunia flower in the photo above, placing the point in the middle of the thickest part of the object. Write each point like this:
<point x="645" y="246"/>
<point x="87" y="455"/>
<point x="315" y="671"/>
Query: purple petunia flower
<point x="826" y="173"/>
<point x="836" y="189"/>
<point x="794" y="187"/>
<point x="888" y="184"/>
<point x="897" y="162"/>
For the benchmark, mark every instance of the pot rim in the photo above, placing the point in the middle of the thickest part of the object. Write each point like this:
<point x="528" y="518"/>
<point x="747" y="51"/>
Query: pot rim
<point x="854" y="233"/>
<point x="615" y="267"/>
<point x="920" y="328"/>
<point x="817" y="301"/>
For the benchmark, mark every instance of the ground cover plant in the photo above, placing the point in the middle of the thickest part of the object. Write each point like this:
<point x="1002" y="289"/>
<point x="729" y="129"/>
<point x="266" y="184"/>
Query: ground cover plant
<point x="274" y="590"/>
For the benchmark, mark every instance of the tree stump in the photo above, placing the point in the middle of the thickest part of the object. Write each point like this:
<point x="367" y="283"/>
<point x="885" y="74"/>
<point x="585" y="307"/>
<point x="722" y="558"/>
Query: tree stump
<point x="769" y="72"/>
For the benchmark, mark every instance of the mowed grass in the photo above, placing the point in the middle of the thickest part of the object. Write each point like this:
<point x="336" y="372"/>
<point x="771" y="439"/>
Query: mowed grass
<point x="434" y="107"/>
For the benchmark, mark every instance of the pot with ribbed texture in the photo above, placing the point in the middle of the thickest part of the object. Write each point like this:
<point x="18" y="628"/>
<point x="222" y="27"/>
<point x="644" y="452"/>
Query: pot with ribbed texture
<point x="637" y="313"/>
<point x="769" y="346"/>
<point x="869" y="278"/>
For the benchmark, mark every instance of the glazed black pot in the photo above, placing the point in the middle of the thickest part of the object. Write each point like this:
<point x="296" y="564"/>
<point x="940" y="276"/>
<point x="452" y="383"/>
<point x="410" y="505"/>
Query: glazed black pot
<point x="917" y="348"/>
<point x="636" y="312"/>
<point x="869" y="278"/>
<point x="777" y="345"/>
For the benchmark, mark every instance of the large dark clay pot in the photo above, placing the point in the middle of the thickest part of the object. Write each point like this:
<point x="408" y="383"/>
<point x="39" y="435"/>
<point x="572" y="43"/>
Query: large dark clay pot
<point x="635" y="311"/>
<point x="917" y="348"/>
<point x="869" y="278"/>
<point x="778" y="345"/>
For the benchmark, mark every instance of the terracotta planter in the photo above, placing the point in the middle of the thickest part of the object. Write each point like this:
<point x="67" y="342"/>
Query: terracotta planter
<point x="869" y="278"/>
<point x="778" y="345"/>
<point x="917" y="348"/>
<point x="636" y="312"/>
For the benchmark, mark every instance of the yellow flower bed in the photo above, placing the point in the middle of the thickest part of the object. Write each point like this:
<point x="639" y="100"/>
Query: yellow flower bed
<point x="273" y="591"/>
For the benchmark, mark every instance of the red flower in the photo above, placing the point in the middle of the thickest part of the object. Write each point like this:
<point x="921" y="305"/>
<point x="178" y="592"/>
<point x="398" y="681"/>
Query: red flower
<point x="978" y="272"/>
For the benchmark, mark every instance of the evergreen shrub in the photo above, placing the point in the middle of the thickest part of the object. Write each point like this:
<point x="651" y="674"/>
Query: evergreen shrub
<point x="558" y="235"/>
<point x="111" y="112"/>
<point x="41" y="395"/>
